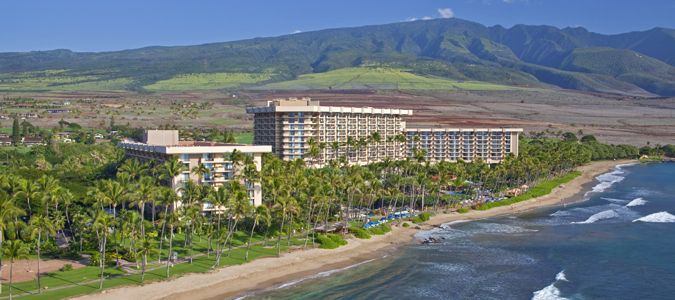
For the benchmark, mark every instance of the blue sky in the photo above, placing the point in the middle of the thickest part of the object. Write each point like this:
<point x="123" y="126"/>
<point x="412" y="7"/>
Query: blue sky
<point x="97" y="25"/>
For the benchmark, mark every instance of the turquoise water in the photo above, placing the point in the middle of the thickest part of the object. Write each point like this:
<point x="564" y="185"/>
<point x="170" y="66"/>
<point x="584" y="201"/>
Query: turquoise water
<point x="619" y="244"/>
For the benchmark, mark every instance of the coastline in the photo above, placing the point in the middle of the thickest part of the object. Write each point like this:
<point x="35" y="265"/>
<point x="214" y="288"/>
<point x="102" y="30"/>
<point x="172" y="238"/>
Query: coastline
<point x="270" y="272"/>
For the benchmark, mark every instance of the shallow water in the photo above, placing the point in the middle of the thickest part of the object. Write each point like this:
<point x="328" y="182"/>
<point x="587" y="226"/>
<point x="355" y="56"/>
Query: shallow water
<point x="620" y="244"/>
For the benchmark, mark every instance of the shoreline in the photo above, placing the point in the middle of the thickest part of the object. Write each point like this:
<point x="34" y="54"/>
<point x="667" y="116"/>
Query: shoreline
<point x="264" y="273"/>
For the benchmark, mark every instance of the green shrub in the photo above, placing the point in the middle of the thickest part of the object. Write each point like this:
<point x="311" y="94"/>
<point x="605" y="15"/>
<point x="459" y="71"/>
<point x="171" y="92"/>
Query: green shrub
<point x="406" y="224"/>
<point x="380" y="229"/>
<point x="338" y="239"/>
<point x="463" y="210"/>
<point x="359" y="232"/>
<point x="416" y="219"/>
<point x="425" y="216"/>
<point x="325" y="242"/>
<point x="330" y="241"/>
<point x="66" y="267"/>
<point x="543" y="188"/>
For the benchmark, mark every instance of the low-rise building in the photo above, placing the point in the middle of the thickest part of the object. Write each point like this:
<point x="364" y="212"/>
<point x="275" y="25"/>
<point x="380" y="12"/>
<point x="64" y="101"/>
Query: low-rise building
<point x="162" y="145"/>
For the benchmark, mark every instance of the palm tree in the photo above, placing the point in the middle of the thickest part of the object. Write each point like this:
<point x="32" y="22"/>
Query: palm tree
<point x="40" y="225"/>
<point x="170" y="169"/>
<point x="145" y="247"/>
<point x="201" y="170"/>
<point x="102" y="223"/>
<point x="191" y="217"/>
<point x="171" y="220"/>
<point x="8" y="213"/>
<point x="15" y="249"/>
<point x="28" y="190"/>
<point x="145" y="190"/>
<point x="260" y="215"/>
<point x="167" y="198"/>
<point x="134" y="168"/>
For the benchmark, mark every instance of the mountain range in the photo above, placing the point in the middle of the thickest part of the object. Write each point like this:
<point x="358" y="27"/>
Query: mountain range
<point x="636" y="63"/>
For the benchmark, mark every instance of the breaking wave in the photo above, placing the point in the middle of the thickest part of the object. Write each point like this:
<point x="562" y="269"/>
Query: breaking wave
<point x="659" y="217"/>
<point x="614" y="200"/>
<point x="636" y="202"/>
<point x="606" y="214"/>
<point x="551" y="292"/>
<point x="609" y="179"/>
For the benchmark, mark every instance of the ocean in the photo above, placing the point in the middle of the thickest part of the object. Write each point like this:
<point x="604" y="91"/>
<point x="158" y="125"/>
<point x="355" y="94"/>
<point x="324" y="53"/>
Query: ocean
<point x="617" y="244"/>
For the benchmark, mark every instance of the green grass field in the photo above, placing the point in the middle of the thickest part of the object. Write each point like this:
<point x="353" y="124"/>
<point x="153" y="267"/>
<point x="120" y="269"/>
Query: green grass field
<point x="60" y="80"/>
<point x="81" y="281"/>
<point x="208" y="81"/>
<point x="244" y="137"/>
<point x="379" y="78"/>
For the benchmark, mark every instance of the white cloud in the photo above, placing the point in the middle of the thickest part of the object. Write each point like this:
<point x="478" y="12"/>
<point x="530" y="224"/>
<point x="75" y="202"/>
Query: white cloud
<point x="446" y="13"/>
<point x="411" y="19"/>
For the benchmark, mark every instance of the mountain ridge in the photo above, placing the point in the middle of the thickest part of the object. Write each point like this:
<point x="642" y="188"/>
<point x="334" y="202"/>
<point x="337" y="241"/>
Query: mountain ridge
<point x="635" y="63"/>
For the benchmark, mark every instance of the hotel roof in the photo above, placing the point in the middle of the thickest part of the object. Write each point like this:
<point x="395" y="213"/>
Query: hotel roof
<point x="307" y="105"/>
<point x="194" y="147"/>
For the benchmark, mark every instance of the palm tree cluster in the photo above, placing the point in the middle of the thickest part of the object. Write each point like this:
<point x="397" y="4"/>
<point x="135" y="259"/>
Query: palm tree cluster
<point x="134" y="213"/>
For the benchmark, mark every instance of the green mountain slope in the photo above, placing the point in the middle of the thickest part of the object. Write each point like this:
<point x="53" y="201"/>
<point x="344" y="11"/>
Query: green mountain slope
<point x="378" y="78"/>
<point x="451" y="49"/>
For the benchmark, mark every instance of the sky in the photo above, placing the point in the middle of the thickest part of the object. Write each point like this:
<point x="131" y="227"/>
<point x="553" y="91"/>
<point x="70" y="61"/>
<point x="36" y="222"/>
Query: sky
<point x="106" y="25"/>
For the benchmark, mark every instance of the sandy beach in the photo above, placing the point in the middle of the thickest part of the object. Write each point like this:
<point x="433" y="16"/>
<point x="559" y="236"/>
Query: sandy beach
<point x="270" y="272"/>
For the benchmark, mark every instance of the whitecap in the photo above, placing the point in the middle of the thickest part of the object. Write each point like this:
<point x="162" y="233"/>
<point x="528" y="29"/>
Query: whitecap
<point x="323" y="274"/>
<point x="447" y="225"/>
<point x="502" y="228"/>
<point x="561" y="276"/>
<point x="607" y="180"/>
<point x="659" y="217"/>
<point x="605" y="214"/>
<point x="561" y="213"/>
<point x="636" y="202"/>
<point x="614" y="200"/>
<point x="550" y="292"/>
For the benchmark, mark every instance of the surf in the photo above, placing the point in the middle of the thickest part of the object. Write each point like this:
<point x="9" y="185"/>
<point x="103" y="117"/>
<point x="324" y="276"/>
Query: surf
<point x="659" y="217"/>
<point x="605" y="214"/>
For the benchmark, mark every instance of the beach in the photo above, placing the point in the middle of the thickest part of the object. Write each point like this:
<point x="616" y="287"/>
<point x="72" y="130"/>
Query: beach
<point x="270" y="272"/>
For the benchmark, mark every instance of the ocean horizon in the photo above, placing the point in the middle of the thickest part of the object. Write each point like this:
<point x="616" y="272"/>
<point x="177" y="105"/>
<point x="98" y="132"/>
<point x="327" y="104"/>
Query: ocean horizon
<point x="617" y="241"/>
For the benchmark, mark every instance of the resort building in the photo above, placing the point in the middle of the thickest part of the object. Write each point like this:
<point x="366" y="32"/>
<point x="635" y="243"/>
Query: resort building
<point x="367" y="135"/>
<point x="361" y="134"/>
<point x="491" y="145"/>
<point x="162" y="145"/>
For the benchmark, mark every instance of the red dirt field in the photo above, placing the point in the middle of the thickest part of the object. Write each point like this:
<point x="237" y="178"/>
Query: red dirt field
<point x="27" y="269"/>
<point x="613" y="119"/>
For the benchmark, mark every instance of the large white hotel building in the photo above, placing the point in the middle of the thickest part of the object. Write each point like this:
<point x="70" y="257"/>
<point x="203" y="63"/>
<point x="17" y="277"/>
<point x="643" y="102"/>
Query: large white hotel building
<point x="287" y="125"/>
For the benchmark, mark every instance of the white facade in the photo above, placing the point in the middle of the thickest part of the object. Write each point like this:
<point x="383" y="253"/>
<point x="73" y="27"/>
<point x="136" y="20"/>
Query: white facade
<point x="289" y="125"/>
<point x="214" y="156"/>
<point x="491" y="145"/>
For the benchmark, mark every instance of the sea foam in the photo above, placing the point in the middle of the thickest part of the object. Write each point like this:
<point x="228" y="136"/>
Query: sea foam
<point x="659" y="217"/>
<point x="551" y="292"/>
<point x="636" y="202"/>
<point x="605" y="214"/>
<point x="608" y="179"/>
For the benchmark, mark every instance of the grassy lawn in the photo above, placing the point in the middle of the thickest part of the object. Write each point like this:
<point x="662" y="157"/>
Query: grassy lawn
<point x="244" y="137"/>
<point x="208" y="81"/>
<point x="379" y="78"/>
<point x="541" y="189"/>
<point x="85" y="280"/>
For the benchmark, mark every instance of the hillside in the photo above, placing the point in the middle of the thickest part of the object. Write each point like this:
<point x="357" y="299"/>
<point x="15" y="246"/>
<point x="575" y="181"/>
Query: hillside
<point x="635" y="63"/>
